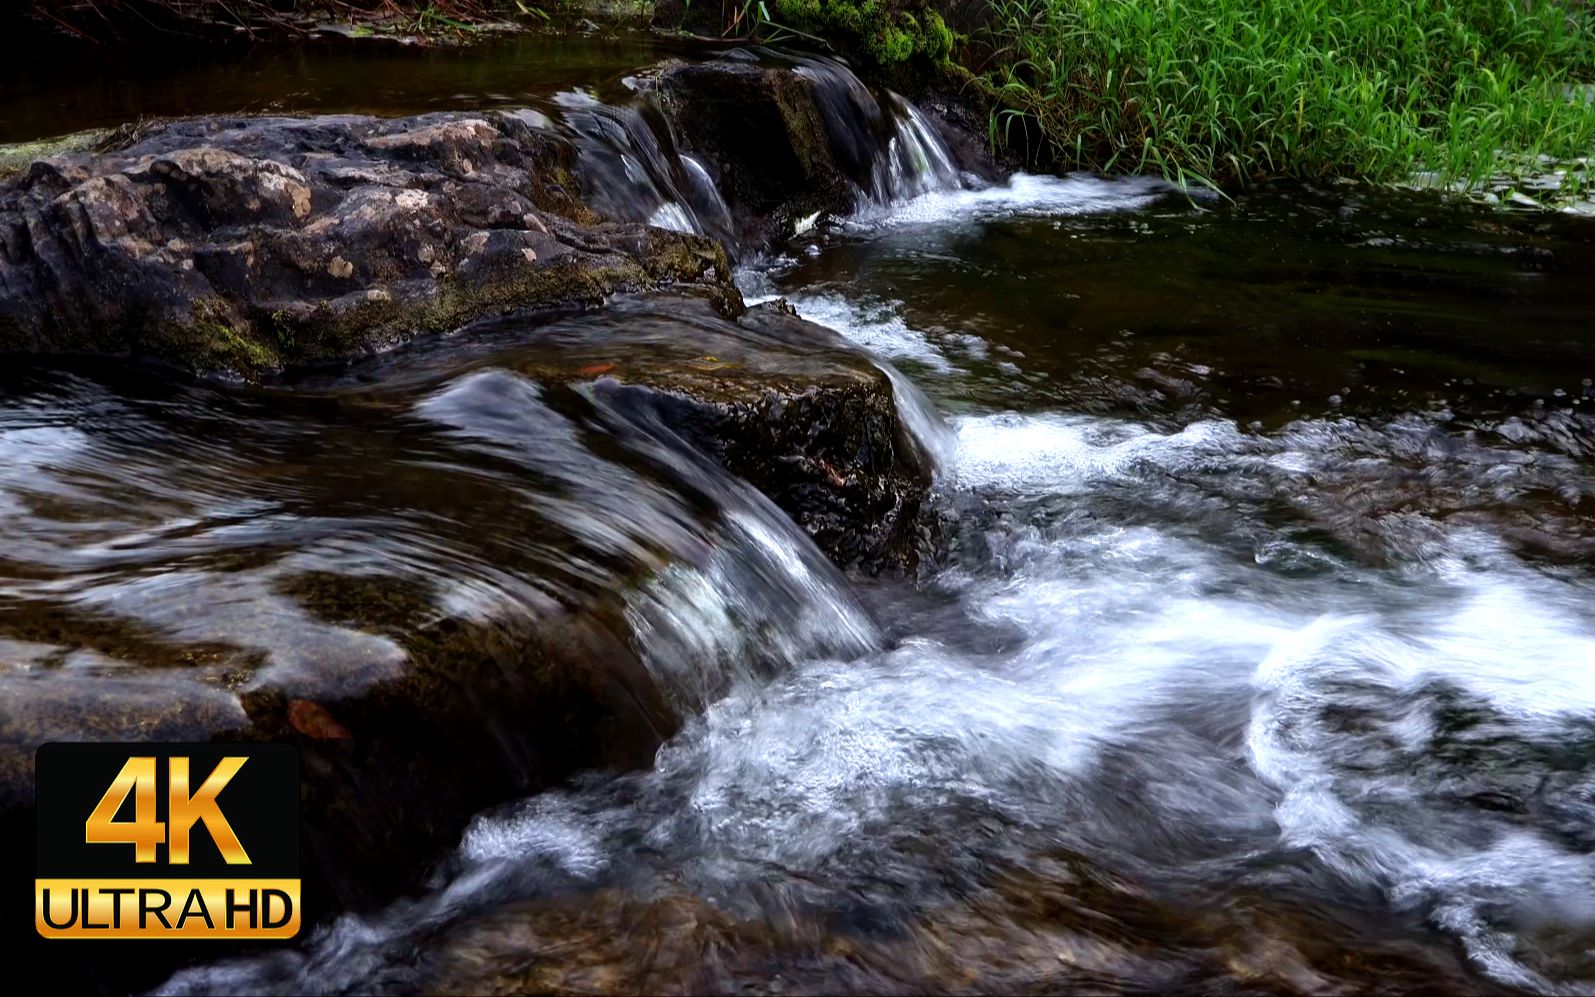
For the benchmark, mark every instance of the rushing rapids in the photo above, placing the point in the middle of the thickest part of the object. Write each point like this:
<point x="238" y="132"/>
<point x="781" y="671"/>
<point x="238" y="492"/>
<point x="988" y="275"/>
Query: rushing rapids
<point x="1251" y="648"/>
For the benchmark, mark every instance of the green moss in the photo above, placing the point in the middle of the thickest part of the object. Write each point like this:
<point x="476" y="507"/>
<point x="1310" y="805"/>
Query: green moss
<point x="938" y="37"/>
<point x="241" y="350"/>
<point x="889" y="33"/>
<point x="895" y="42"/>
<point x="209" y="338"/>
<point x="15" y="158"/>
<point x="282" y="327"/>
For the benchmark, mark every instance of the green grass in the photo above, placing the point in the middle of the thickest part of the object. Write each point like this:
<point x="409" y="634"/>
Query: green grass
<point x="1216" y="91"/>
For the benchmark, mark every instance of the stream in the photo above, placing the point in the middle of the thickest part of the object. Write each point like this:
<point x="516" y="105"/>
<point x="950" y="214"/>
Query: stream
<point x="1256" y="650"/>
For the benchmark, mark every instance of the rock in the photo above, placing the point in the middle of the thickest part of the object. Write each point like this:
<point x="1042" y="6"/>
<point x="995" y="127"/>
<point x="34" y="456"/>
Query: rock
<point x="789" y="406"/>
<point x="469" y="716"/>
<point x="789" y="138"/>
<point x="391" y="771"/>
<point x="249" y="244"/>
<point x="793" y="137"/>
<point x="761" y="126"/>
<point x="413" y="707"/>
<point x="1024" y="932"/>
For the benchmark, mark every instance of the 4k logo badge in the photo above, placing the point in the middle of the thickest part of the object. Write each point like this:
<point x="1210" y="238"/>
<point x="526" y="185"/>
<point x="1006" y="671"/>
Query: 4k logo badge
<point x="167" y="841"/>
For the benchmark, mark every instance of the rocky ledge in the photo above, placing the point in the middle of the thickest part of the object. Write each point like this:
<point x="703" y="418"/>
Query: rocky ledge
<point x="249" y="244"/>
<point x="246" y="245"/>
<point x="788" y="406"/>
<point x="413" y="709"/>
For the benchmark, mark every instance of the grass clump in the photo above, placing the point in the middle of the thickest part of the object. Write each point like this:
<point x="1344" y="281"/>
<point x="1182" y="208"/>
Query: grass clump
<point x="1214" y="91"/>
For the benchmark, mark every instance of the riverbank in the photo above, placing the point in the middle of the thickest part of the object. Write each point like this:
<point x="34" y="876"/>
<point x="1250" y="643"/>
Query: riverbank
<point x="1214" y="91"/>
<point x="1219" y="93"/>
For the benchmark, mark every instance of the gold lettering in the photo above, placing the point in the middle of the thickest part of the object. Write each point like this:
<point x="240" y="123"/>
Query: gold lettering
<point x="184" y="811"/>
<point x="143" y="832"/>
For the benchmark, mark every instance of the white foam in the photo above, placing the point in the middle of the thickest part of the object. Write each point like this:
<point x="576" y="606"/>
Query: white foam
<point x="1023" y="194"/>
<point x="542" y="829"/>
<point x="877" y="326"/>
<point x="1519" y="647"/>
<point x="1063" y="453"/>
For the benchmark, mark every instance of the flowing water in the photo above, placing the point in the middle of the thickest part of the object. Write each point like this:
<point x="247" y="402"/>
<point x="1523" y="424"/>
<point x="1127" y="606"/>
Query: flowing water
<point x="1257" y="652"/>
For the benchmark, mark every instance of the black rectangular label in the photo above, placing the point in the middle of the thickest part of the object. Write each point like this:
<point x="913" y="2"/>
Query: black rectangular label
<point x="133" y="837"/>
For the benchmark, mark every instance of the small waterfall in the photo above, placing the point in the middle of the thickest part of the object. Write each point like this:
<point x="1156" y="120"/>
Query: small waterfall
<point x="854" y="121"/>
<point x="702" y="191"/>
<point x="634" y="168"/>
<point x="918" y="161"/>
<point x="631" y="170"/>
<point x="763" y="597"/>
<point x="893" y="152"/>
<point x="929" y="431"/>
<point x="722" y="585"/>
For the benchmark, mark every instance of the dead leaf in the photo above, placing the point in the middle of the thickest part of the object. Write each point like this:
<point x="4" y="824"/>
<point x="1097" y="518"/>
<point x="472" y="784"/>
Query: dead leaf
<point x="313" y="720"/>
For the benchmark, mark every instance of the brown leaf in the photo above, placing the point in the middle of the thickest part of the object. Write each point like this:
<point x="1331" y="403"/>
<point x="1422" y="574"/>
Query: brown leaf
<point x="313" y="720"/>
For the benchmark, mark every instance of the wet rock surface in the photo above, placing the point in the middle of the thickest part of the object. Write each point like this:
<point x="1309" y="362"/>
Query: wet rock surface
<point x="469" y="599"/>
<point x="246" y="245"/>
<point x="786" y="405"/>
<point x="249" y="244"/>
<point x="390" y="771"/>
<point x="1058" y="929"/>
<point x="764" y="129"/>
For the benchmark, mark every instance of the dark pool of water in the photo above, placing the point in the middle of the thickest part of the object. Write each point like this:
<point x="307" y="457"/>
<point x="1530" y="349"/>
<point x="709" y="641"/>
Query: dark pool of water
<point x="93" y="88"/>
<point x="1274" y="305"/>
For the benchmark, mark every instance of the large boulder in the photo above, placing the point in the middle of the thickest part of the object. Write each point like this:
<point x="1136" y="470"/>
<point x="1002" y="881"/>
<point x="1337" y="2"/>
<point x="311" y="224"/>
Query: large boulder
<point x="794" y="137"/>
<point x="249" y="244"/>
<point x="253" y="244"/>
<point x="433" y="640"/>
